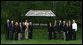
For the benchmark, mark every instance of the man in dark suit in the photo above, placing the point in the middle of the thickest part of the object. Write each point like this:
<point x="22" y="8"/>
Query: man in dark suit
<point x="20" y="36"/>
<point x="30" y="30"/>
<point x="55" y="30"/>
<point x="70" y="30"/>
<point x="16" y="31"/>
<point x="24" y="27"/>
<point x="50" y="30"/>
<point x="12" y="29"/>
<point x="60" y="29"/>
<point x="7" y="26"/>
<point x="64" y="28"/>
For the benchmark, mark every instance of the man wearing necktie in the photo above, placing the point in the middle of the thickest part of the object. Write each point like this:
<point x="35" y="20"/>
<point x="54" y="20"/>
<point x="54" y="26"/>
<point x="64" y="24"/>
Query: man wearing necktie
<point x="55" y="30"/>
<point x="70" y="30"/>
<point x="64" y="28"/>
<point x="11" y="30"/>
<point x="60" y="29"/>
<point x="7" y="26"/>
<point x="20" y="31"/>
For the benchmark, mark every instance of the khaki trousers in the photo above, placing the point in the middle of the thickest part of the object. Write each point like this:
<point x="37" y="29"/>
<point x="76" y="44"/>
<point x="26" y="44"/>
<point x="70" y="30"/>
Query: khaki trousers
<point x="19" y="36"/>
<point x="64" y="35"/>
<point x="26" y="33"/>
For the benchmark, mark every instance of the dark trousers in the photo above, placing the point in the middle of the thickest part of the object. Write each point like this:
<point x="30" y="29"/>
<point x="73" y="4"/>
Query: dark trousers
<point x="74" y="34"/>
<point x="30" y="35"/>
<point x="60" y="35"/>
<point x="11" y="35"/>
<point x="70" y="35"/>
<point x="7" y="35"/>
<point x="55" y="35"/>
<point x="50" y="35"/>
<point x="67" y="36"/>
<point x="16" y="36"/>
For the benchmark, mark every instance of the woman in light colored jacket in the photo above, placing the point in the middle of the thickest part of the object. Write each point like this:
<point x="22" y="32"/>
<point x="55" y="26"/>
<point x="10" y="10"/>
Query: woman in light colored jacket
<point x="26" y="30"/>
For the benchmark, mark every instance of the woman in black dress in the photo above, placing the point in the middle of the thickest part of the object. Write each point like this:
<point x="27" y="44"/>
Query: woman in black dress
<point x="67" y="32"/>
<point x="55" y="30"/>
<point x="16" y="31"/>
<point x="30" y="30"/>
<point x="23" y="29"/>
<point x="50" y="30"/>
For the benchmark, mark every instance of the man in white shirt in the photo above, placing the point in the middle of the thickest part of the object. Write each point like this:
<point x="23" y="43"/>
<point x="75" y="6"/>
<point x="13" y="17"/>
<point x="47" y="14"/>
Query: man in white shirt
<point x="74" y="28"/>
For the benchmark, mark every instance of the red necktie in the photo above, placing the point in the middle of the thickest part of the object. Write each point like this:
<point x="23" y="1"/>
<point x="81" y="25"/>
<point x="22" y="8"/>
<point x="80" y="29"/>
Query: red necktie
<point x="26" y="25"/>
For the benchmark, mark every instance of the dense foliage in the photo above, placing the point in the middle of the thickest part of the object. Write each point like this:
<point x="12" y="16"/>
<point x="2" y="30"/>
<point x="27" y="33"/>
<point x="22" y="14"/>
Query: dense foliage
<point x="64" y="10"/>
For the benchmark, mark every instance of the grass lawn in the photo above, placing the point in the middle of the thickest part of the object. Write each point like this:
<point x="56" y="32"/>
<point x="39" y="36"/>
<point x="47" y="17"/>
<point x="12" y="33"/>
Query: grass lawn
<point x="40" y="36"/>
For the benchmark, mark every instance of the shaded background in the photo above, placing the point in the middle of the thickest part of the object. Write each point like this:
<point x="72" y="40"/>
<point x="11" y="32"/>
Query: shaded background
<point x="64" y="10"/>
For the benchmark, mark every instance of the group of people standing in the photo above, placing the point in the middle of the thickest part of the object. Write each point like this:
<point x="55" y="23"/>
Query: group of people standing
<point x="23" y="30"/>
<point x="66" y="31"/>
<point x="18" y="31"/>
